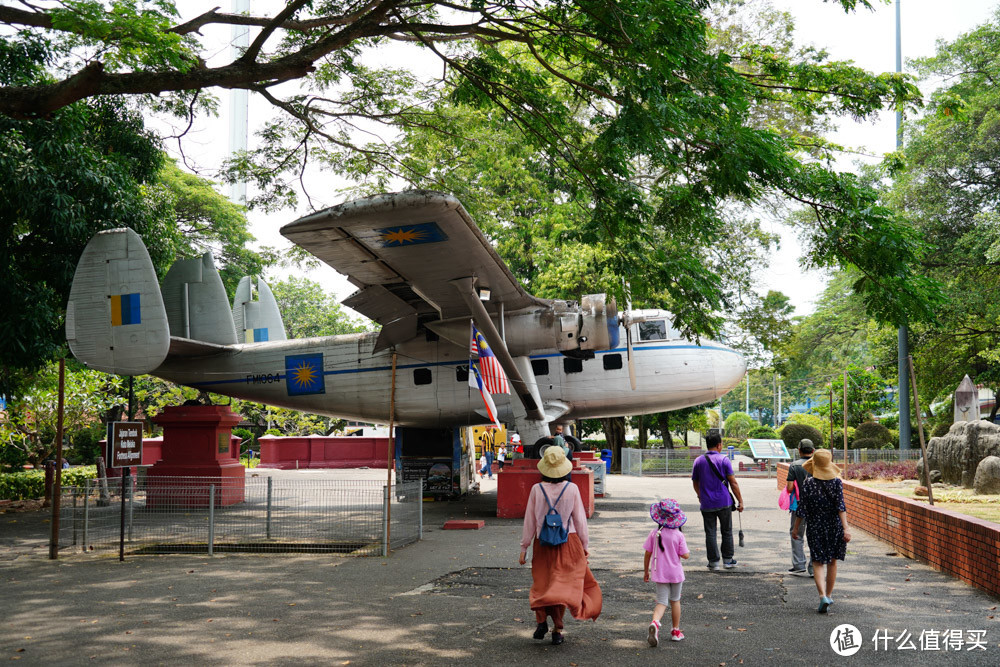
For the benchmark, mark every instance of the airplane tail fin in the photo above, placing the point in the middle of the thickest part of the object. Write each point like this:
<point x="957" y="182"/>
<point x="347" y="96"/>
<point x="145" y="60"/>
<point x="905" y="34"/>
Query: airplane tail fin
<point x="196" y="302"/>
<point x="257" y="320"/>
<point x="115" y="318"/>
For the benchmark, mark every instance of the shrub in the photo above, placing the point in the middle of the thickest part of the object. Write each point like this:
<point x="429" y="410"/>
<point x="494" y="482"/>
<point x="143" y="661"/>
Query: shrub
<point x="738" y="424"/>
<point x="873" y="431"/>
<point x="891" y="423"/>
<point x="30" y="484"/>
<point x="808" y="419"/>
<point x="763" y="432"/>
<point x="883" y="470"/>
<point x="838" y="437"/>
<point x="792" y="433"/>
<point x="866" y="443"/>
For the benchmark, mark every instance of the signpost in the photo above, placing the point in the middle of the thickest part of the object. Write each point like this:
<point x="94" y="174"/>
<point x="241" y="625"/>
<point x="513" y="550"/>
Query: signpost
<point x="768" y="449"/>
<point x="124" y="451"/>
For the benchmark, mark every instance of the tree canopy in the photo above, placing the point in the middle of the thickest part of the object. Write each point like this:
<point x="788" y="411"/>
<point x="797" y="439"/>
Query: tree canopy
<point x="650" y="121"/>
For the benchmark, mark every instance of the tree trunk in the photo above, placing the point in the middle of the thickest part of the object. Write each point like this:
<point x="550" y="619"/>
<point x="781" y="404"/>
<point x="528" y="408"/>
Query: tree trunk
<point x="643" y="433"/>
<point x="614" y="434"/>
<point x="668" y="440"/>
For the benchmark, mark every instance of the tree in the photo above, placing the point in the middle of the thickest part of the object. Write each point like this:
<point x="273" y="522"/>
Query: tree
<point x="868" y="395"/>
<point x="946" y="179"/>
<point x="650" y="122"/>
<point x="307" y="310"/>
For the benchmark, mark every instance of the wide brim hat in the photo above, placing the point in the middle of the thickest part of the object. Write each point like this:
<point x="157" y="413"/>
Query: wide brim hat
<point x="668" y="513"/>
<point x="554" y="463"/>
<point x="821" y="465"/>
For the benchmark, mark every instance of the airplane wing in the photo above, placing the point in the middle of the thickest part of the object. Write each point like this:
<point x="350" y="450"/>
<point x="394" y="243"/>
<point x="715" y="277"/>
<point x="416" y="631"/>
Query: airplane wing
<point x="402" y="251"/>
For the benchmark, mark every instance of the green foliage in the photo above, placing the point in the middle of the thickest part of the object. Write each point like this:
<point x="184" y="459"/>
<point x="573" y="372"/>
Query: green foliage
<point x="867" y="443"/>
<point x="308" y="310"/>
<point x="808" y="419"/>
<point x="763" y="433"/>
<point x="941" y="429"/>
<point x="29" y="484"/>
<point x="739" y="424"/>
<point x="873" y="431"/>
<point x="792" y="434"/>
<point x="837" y="440"/>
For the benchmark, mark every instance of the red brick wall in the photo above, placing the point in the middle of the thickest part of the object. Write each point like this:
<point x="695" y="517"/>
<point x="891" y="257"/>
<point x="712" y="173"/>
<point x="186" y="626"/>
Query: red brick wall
<point x="963" y="546"/>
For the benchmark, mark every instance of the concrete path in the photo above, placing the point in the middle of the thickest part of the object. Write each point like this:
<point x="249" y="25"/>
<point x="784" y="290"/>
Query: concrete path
<point x="461" y="597"/>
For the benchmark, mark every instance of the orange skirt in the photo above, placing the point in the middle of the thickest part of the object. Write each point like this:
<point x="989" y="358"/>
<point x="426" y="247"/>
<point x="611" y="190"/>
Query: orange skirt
<point x="560" y="576"/>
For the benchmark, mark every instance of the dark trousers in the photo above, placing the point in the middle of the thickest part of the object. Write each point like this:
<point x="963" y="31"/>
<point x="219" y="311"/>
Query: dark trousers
<point x="724" y="515"/>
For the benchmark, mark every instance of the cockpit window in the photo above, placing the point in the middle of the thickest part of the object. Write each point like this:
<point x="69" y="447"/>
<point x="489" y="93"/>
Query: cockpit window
<point x="653" y="330"/>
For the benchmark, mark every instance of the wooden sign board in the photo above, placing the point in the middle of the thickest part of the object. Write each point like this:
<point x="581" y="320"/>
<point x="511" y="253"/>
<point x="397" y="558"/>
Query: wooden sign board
<point x="125" y="445"/>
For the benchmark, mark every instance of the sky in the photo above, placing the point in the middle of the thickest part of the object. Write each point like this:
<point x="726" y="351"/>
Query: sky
<point x="865" y="37"/>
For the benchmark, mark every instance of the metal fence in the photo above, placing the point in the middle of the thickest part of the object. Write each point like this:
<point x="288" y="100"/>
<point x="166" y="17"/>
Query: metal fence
<point x="653" y="462"/>
<point x="256" y="514"/>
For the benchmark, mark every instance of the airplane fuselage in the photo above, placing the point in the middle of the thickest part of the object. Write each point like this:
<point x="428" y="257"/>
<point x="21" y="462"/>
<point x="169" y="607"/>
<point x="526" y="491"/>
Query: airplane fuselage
<point x="340" y="376"/>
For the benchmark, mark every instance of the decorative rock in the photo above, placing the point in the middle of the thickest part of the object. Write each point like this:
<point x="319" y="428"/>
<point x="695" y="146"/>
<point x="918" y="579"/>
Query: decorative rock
<point x="920" y="491"/>
<point x="935" y="476"/>
<point x="988" y="476"/>
<point x="961" y="450"/>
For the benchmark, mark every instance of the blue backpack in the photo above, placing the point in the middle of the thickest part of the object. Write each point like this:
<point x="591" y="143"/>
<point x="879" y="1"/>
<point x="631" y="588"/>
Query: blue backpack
<point x="553" y="532"/>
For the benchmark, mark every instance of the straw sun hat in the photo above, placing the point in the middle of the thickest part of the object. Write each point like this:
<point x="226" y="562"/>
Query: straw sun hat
<point x="821" y="465"/>
<point x="554" y="463"/>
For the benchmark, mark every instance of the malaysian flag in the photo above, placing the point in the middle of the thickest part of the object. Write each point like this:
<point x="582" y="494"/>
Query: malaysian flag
<point x="494" y="379"/>
<point x="476" y="380"/>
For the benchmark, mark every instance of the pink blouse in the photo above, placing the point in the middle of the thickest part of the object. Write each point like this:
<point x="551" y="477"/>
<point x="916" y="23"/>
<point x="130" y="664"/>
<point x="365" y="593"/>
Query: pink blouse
<point x="570" y="505"/>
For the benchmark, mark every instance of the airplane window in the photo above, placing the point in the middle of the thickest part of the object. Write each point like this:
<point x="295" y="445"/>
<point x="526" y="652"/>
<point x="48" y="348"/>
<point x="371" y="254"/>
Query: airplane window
<point x="653" y="330"/>
<point x="422" y="376"/>
<point x="612" y="362"/>
<point x="540" y="366"/>
<point x="572" y="365"/>
<point x="462" y="373"/>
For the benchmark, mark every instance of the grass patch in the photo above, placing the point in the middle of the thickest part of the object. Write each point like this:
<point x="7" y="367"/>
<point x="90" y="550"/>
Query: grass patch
<point x="963" y="501"/>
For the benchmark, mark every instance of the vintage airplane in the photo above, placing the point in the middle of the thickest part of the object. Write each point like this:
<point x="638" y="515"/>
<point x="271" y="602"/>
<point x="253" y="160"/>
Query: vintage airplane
<point x="423" y="270"/>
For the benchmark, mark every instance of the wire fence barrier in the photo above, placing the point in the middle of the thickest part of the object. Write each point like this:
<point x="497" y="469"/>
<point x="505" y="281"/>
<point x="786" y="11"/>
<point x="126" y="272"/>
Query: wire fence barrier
<point x="659" y="462"/>
<point x="254" y="515"/>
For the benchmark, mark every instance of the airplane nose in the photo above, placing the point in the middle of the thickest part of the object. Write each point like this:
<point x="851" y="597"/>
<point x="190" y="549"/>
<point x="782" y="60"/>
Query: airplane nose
<point x="730" y="366"/>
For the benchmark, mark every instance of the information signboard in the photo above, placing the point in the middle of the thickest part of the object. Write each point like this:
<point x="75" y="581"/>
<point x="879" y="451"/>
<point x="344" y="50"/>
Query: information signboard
<point x="768" y="449"/>
<point x="125" y="445"/>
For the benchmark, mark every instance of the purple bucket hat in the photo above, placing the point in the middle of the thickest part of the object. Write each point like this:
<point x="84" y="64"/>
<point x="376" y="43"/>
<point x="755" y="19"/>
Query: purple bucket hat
<point x="667" y="513"/>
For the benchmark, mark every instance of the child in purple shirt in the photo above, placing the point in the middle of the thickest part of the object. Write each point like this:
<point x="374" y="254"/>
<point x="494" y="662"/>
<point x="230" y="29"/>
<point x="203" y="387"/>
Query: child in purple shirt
<point x="665" y="547"/>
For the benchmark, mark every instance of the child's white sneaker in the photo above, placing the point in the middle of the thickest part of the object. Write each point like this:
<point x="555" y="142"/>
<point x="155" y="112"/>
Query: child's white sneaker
<point x="676" y="635"/>
<point x="653" y="636"/>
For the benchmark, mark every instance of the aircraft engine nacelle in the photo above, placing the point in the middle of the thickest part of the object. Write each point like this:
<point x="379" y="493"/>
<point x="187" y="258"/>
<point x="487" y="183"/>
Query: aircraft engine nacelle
<point x="565" y="326"/>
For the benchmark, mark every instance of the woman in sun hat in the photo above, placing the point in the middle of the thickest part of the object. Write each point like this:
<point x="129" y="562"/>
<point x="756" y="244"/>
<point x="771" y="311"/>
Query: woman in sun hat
<point x="665" y="547"/>
<point x="561" y="578"/>
<point x="821" y="503"/>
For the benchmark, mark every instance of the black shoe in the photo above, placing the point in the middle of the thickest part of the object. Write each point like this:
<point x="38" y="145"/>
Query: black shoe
<point x="541" y="630"/>
<point x="557" y="638"/>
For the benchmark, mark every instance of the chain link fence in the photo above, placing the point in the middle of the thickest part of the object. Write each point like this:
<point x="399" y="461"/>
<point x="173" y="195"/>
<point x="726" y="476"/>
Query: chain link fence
<point x="255" y="515"/>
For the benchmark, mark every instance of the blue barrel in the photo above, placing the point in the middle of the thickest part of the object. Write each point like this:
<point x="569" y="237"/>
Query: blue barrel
<point x="606" y="457"/>
<point x="732" y="451"/>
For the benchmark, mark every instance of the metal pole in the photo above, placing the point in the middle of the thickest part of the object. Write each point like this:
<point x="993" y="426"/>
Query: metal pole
<point x="86" y="513"/>
<point x="390" y="451"/>
<point x="267" y="525"/>
<point x="920" y="432"/>
<point x="747" y="378"/>
<point x="831" y="416"/>
<point x="902" y="344"/>
<point x="57" y="490"/>
<point x="845" y="423"/>
<point x="420" y="511"/>
<point x="211" y="519"/>
<point x="76" y="519"/>
<point x="385" y="521"/>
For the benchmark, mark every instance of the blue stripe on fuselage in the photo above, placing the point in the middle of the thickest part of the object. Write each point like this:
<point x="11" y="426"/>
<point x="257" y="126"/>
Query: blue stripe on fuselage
<point x="376" y="369"/>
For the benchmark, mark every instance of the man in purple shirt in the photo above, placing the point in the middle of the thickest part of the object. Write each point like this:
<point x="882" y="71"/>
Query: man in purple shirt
<point x="710" y="473"/>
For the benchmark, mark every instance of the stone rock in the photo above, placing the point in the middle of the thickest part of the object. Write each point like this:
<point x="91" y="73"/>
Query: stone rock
<point x="920" y="491"/>
<point x="988" y="476"/>
<point x="935" y="476"/>
<point x="965" y="445"/>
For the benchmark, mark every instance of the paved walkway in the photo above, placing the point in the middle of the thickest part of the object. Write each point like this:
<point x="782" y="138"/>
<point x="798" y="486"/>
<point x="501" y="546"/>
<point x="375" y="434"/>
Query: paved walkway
<point x="461" y="597"/>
